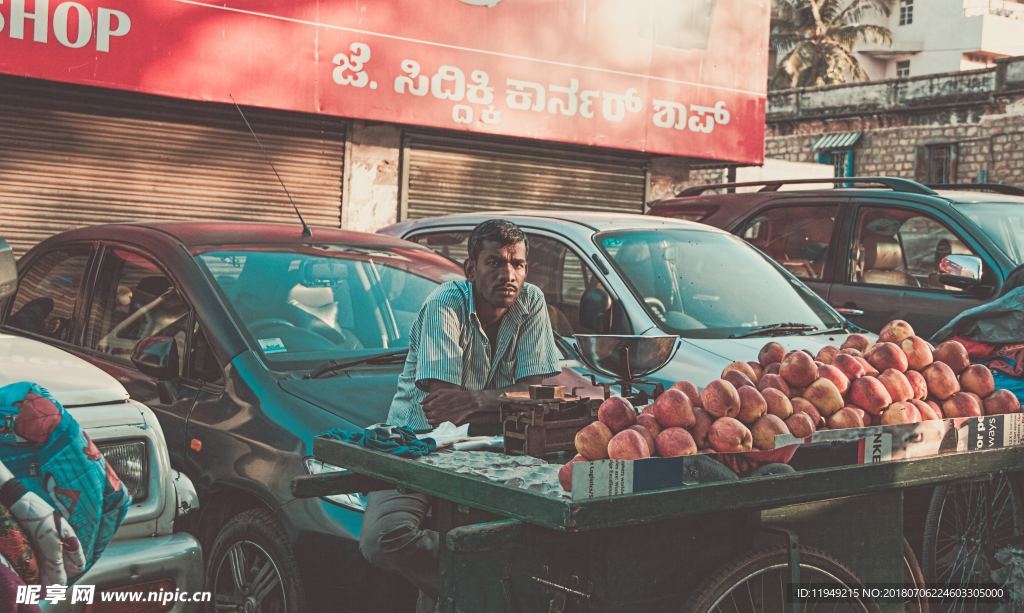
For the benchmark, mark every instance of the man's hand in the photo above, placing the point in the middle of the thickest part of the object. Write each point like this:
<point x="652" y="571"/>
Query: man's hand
<point x="447" y="402"/>
<point x="452" y="404"/>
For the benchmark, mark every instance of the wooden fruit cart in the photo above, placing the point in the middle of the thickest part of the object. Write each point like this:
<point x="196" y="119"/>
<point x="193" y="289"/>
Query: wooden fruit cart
<point x="726" y="546"/>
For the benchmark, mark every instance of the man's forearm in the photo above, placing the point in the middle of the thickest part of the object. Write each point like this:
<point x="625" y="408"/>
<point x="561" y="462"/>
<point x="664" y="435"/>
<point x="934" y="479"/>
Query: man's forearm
<point x="489" y="400"/>
<point x="449" y="402"/>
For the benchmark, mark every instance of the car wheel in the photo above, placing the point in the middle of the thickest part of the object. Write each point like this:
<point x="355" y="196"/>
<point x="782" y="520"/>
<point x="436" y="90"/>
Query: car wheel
<point x="252" y="569"/>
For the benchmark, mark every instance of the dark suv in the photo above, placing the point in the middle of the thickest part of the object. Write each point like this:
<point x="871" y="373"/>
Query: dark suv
<point x="876" y="248"/>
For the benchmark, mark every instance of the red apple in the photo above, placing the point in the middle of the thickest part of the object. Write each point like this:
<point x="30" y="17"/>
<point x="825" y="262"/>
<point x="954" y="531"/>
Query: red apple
<point x="977" y="378"/>
<point x="765" y="429"/>
<point x="869" y="394"/>
<point x="800" y="424"/>
<point x="721" y="399"/>
<point x="895" y="331"/>
<point x="752" y="405"/>
<point x="565" y="472"/>
<point x="728" y="434"/>
<point x="771" y="353"/>
<point x="672" y="409"/>
<point x="856" y="341"/>
<point x="700" y="429"/>
<point x="799" y="369"/>
<point x="592" y="441"/>
<point x="1000" y="402"/>
<point x="628" y="445"/>
<point x="954" y="355"/>
<point x="691" y="392"/>
<point x="674" y="442"/>
<point x="617" y="413"/>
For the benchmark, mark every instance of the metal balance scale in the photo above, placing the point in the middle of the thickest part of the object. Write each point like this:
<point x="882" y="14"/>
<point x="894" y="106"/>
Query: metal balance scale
<point x="544" y="421"/>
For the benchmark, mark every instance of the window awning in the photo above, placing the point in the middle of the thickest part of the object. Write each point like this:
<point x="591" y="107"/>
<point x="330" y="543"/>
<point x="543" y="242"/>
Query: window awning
<point x="836" y="140"/>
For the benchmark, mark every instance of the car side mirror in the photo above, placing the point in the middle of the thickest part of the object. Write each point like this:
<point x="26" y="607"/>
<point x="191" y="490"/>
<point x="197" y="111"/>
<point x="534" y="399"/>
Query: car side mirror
<point x="157" y="356"/>
<point x="8" y="271"/>
<point x="596" y="310"/>
<point x="959" y="270"/>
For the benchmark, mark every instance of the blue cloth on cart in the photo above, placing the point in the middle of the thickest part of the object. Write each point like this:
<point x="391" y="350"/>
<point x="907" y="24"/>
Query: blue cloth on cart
<point x="1006" y="382"/>
<point x="395" y="440"/>
<point x="47" y="451"/>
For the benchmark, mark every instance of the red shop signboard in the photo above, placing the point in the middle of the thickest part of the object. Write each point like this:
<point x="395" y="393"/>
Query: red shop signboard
<point x="675" y="77"/>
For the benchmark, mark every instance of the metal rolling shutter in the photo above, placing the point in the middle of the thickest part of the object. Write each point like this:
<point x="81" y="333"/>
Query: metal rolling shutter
<point x="445" y="173"/>
<point x="72" y="156"/>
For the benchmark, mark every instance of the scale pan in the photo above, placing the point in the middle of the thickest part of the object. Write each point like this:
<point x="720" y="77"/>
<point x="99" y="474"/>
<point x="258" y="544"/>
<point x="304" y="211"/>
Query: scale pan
<point x="605" y="353"/>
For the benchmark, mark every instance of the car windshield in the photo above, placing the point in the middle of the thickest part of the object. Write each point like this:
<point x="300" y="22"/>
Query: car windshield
<point x="1003" y="223"/>
<point x="704" y="284"/>
<point x="303" y="306"/>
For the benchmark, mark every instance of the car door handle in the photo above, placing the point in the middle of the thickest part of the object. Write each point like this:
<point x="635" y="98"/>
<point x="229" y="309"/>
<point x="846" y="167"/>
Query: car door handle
<point x="849" y="310"/>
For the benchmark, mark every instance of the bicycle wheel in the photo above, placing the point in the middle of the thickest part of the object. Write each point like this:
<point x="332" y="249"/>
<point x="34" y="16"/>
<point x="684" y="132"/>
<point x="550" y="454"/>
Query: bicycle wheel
<point x="757" y="583"/>
<point x="913" y="576"/>
<point x="964" y="528"/>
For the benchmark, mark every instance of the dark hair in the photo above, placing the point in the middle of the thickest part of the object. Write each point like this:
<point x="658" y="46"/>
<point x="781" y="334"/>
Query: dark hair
<point x="498" y="230"/>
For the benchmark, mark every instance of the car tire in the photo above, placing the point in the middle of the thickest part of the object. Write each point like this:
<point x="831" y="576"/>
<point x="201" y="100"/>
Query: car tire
<point x="251" y="566"/>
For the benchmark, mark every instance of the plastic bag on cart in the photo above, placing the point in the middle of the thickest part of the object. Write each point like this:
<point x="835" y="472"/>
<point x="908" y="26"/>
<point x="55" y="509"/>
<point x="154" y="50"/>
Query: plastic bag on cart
<point x="48" y="453"/>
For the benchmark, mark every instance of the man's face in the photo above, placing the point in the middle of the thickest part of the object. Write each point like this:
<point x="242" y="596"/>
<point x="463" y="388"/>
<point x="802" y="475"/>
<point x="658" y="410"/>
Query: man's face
<point x="498" y="273"/>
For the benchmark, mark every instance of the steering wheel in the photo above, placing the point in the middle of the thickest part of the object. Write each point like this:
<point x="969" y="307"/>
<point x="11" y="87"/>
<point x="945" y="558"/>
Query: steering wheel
<point x="657" y="306"/>
<point x="270" y="321"/>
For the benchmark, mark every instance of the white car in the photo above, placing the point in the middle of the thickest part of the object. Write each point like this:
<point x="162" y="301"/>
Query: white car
<point x="145" y="555"/>
<point x="653" y="276"/>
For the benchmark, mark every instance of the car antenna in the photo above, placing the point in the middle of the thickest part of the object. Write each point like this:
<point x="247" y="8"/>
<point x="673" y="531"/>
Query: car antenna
<point x="306" y="232"/>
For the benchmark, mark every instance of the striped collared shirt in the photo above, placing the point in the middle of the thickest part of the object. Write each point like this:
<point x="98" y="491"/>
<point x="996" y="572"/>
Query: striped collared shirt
<point x="447" y="343"/>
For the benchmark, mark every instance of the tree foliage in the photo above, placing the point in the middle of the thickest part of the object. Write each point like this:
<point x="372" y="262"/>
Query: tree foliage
<point x="815" y="40"/>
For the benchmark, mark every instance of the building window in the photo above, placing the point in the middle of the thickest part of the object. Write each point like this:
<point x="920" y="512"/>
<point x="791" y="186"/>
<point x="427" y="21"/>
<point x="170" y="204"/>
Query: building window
<point x="903" y="69"/>
<point x="906" y="12"/>
<point x="840" y="159"/>
<point x="936" y="164"/>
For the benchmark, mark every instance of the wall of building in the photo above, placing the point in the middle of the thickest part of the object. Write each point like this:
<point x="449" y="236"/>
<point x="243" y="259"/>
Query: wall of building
<point x="372" y="176"/>
<point x="981" y="112"/>
<point x="946" y="36"/>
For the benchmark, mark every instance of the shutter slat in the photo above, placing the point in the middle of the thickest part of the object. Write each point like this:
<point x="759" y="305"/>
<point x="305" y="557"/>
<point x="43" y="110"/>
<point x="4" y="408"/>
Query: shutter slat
<point x="79" y="155"/>
<point x="450" y="173"/>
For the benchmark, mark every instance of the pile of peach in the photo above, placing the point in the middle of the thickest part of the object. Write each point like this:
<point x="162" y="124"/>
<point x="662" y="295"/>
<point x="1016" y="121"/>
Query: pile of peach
<point x="901" y="379"/>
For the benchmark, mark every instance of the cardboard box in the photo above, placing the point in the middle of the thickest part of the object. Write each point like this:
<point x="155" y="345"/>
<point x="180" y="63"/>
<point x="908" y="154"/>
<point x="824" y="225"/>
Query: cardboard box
<point x="823" y="449"/>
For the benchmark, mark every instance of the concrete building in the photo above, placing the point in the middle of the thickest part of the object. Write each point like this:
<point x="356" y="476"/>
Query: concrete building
<point x="938" y="36"/>
<point x="961" y="127"/>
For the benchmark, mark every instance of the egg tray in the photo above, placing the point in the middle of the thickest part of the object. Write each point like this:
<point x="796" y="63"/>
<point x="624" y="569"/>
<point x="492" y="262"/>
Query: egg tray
<point x="544" y="428"/>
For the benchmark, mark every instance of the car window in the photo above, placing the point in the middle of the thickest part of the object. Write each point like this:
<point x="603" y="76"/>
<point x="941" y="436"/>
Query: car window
<point x="1003" y="222"/>
<point x="552" y="266"/>
<point x="703" y="284"/>
<point x="48" y="292"/>
<point x="133" y="299"/>
<point x="307" y="304"/>
<point x="452" y="245"/>
<point x="901" y="248"/>
<point x="563" y="277"/>
<point x="798" y="237"/>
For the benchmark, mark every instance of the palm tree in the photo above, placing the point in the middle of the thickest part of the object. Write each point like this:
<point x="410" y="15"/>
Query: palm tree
<point x="816" y="38"/>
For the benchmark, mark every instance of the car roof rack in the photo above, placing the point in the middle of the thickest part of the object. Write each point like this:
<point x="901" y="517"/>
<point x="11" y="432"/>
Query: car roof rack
<point x="996" y="188"/>
<point x="906" y="186"/>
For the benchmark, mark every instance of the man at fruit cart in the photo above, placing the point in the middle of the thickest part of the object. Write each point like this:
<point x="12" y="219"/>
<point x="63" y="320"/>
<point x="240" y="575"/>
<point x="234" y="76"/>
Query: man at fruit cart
<point x="472" y="341"/>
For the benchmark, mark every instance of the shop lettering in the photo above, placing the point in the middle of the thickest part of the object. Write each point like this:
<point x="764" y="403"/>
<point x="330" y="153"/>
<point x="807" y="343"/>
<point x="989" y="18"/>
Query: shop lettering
<point x="72" y="25"/>
<point x="474" y="99"/>
<point x="876" y="449"/>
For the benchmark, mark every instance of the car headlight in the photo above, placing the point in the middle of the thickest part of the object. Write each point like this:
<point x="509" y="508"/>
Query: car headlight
<point x="356" y="502"/>
<point x="130" y="461"/>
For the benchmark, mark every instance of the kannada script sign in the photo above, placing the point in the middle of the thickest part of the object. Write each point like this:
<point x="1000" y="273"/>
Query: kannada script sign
<point x="677" y="77"/>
